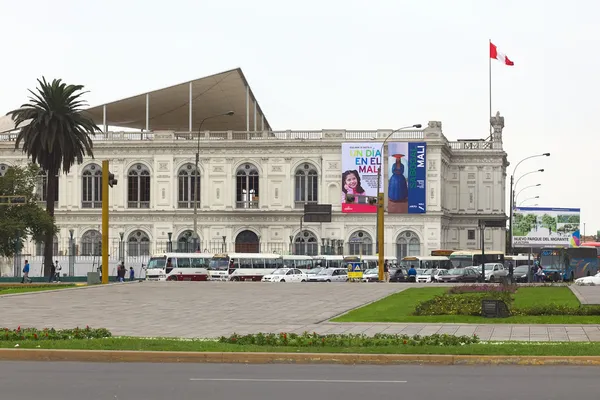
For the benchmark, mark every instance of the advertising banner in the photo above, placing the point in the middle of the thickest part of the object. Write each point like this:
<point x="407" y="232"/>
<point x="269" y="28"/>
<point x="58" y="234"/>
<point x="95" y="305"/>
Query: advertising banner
<point x="407" y="176"/>
<point x="360" y="162"/>
<point x="537" y="226"/>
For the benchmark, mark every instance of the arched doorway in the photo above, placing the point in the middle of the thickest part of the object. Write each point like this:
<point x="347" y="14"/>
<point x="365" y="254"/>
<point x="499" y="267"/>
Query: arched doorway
<point x="407" y="244"/>
<point x="360" y="243"/>
<point x="247" y="242"/>
<point x="306" y="243"/>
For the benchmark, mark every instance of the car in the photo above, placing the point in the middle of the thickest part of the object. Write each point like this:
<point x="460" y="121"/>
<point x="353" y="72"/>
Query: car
<point x="431" y="275"/>
<point x="330" y="275"/>
<point x="495" y="272"/>
<point x="521" y="274"/>
<point x="460" y="275"/>
<point x="285" y="275"/>
<point x="398" y="275"/>
<point x="588" y="280"/>
<point x="371" y="275"/>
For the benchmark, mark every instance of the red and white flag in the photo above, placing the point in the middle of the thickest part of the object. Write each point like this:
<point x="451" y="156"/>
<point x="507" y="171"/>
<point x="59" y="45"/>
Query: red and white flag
<point x="496" y="55"/>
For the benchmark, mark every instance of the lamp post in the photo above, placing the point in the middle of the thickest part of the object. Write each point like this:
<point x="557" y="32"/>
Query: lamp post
<point x="380" y="215"/>
<point x="525" y="188"/>
<point x="224" y="245"/>
<point x="71" y="253"/>
<point x="526" y="200"/>
<point x="258" y="237"/>
<point x="121" y="245"/>
<point x="170" y="242"/>
<point x="197" y="173"/>
<point x="512" y="198"/>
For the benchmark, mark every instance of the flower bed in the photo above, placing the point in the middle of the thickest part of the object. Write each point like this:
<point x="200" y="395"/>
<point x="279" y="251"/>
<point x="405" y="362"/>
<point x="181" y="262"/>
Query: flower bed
<point x="53" y="334"/>
<point x="459" y="304"/>
<point x="481" y="289"/>
<point x="341" y="340"/>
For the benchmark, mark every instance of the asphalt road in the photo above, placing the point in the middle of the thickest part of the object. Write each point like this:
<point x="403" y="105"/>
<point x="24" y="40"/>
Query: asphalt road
<point x="74" y="381"/>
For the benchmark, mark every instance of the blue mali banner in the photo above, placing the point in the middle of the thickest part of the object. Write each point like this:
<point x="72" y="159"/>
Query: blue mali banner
<point x="407" y="162"/>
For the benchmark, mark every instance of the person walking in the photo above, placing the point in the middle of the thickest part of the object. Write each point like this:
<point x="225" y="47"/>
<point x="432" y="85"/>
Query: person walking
<point x="57" y="269"/>
<point x="52" y="273"/>
<point x="131" y="274"/>
<point x="386" y="271"/>
<point x="26" y="273"/>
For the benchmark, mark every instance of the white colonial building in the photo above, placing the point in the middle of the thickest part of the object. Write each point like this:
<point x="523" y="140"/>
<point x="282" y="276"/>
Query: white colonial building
<point x="254" y="181"/>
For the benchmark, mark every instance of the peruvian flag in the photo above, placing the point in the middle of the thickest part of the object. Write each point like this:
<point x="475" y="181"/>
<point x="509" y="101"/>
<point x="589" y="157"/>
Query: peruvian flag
<point x="496" y="55"/>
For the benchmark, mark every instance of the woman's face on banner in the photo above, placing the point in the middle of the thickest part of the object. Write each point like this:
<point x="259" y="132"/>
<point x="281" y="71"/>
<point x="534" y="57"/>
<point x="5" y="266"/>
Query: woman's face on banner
<point x="351" y="181"/>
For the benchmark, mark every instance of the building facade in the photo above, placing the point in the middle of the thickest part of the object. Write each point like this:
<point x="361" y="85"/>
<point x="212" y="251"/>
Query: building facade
<point x="252" y="187"/>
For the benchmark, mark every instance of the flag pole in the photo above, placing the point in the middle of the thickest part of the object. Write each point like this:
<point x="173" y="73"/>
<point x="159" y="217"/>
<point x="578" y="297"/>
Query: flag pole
<point x="490" y="83"/>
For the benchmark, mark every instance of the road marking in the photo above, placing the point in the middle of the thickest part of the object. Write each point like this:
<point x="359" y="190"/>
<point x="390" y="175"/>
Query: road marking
<point x="290" y="380"/>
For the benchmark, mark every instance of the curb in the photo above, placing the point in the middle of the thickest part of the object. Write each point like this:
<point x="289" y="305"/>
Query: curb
<point x="284" y="358"/>
<point x="58" y="288"/>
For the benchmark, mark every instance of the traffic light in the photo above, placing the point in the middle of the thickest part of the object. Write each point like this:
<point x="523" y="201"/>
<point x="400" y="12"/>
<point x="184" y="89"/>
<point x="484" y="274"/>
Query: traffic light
<point x="112" y="181"/>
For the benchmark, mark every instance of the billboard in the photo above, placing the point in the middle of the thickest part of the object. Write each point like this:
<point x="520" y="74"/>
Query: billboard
<point x="360" y="162"/>
<point x="537" y="226"/>
<point x="407" y="176"/>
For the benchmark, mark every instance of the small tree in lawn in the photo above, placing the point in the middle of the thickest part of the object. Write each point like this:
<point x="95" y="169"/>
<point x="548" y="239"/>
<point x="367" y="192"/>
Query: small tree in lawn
<point x="22" y="219"/>
<point x="55" y="134"/>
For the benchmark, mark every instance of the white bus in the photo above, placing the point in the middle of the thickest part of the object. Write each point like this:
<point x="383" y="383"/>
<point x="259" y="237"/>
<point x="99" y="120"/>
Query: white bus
<point x="178" y="267"/>
<point x="370" y="262"/>
<point x="521" y="259"/>
<point x="426" y="262"/>
<point x="245" y="266"/>
<point x="329" y="261"/>
<point x="304" y="263"/>
<point x="468" y="258"/>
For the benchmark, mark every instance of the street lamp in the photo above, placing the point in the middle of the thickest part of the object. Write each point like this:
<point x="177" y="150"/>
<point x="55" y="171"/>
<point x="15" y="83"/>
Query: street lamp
<point x="71" y="253"/>
<point x="512" y="195"/>
<point x="196" y="173"/>
<point x="526" y="187"/>
<point x="525" y="174"/>
<point x="526" y="200"/>
<point x="380" y="231"/>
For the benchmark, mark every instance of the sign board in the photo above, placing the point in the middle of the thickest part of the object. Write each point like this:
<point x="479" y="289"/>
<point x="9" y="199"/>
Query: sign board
<point x="355" y="270"/>
<point x="407" y="182"/>
<point x="493" y="223"/>
<point x="537" y="226"/>
<point x="317" y="212"/>
<point x="360" y="165"/>
<point x="494" y="309"/>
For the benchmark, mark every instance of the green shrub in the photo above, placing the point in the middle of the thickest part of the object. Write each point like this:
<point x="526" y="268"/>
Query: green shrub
<point x="556" y="309"/>
<point x="460" y="304"/>
<point x="52" y="334"/>
<point x="340" y="340"/>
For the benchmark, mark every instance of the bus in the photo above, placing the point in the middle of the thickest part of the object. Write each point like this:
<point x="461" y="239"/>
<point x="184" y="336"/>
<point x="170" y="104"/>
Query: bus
<point x="245" y="266"/>
<point x="520" y="259"/>
<point x="328" y="261"/>
<point x="303" y="263"/>
<point x="426" y="262"/>
<point x="370" y="262"/>
<point x="178" y="267"/>
<point x="569" y="264"/>
<point x="442" y="253"/>
<point x="592" y="244"/>
<point x="469" y="258"/>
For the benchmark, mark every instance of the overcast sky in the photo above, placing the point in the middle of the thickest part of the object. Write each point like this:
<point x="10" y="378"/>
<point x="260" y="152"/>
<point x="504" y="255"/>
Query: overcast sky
<point x="345" y="64"/>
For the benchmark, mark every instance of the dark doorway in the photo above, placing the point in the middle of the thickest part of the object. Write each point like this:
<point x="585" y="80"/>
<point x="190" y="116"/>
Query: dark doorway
<point x="247" y="242"/>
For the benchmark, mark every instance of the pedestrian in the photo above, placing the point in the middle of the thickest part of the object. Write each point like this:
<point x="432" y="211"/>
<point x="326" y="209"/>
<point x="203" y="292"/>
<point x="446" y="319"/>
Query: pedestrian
<point x="131" y="274"/>
<point x="540" y="274"/>
<point x="57" y="269"/>
<point x="26" y="273"/>
<point x="52" y="273"/>
<point x="386" y="271"/>
<point x="121" y="273"/>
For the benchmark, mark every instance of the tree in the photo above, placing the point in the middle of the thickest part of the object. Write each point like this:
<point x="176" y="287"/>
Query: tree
<point x="20" y="220"/>
<point x="55" y="134"/>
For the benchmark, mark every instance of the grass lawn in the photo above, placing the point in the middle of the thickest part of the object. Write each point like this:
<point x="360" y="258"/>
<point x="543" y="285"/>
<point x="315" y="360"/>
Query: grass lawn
<point x="506" y="348"/>
<point x="399" y="307"/>
<point x="11" y="289"/>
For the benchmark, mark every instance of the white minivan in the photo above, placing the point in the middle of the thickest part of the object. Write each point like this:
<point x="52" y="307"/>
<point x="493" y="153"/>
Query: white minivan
<point x="494" y="272"/>
<point x="330" y="275"/>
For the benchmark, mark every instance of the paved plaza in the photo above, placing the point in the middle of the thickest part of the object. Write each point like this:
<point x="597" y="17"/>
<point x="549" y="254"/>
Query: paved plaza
<point x="212" y="309"/>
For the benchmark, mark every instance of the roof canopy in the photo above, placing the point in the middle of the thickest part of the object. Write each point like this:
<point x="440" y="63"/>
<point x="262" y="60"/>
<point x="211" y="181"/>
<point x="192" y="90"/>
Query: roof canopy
<point x="169" y="108"/>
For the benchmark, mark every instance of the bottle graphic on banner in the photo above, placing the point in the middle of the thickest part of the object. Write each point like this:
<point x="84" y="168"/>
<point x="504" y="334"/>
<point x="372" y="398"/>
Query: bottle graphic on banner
<point x="398" y="187"/>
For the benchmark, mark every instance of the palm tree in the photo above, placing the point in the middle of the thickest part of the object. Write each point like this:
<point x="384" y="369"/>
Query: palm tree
<point x="55" y="134"/>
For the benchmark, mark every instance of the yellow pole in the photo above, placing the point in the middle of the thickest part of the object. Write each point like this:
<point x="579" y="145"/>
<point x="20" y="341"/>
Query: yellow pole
<point x="105" y="172"/>
<point x="381" y="240"/>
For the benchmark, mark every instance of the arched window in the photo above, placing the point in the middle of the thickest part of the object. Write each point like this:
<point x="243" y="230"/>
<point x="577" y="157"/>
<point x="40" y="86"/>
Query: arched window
<point x="91" y="243"/>
<point x="42" y="187"/>
<point x="3" y="169"/>
<point x="138" y="244"/>
<point x="39" y="247"/>
<point x="306" y="244"/>
<point x="247" y="242"/>
<point x="91" y="187"/>
<point x="187" y="192"/>
<point x="407" y="244"/>
<point x="360" y="243"/>
<point x="138" y="187"/>
<point x="306" y="185"/>
<point x="185" y="242"/>
<point x="246" y="185"/>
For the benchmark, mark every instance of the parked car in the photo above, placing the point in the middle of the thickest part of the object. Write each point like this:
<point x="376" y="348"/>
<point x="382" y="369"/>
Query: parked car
<point x="330" y="275"/>
<point x="460" y="275"/>
<point x="588" y="280"/>
<point x="371" y="275"/>
<point x="431" y="275"/>
<point x="398" y="275"/>
<point x="313" y="271"/>
<point x="285" y="275"/>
